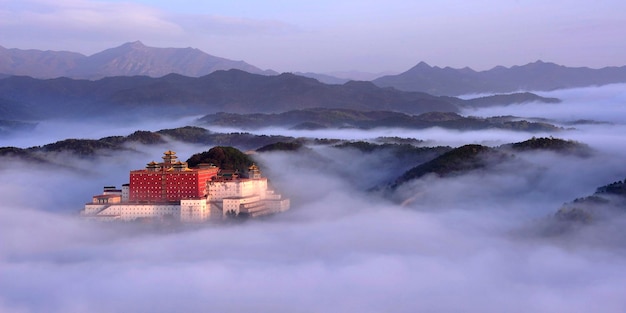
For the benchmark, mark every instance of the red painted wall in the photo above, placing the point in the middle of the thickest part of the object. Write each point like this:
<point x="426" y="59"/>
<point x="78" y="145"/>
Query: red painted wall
<point x="168" y="186"/>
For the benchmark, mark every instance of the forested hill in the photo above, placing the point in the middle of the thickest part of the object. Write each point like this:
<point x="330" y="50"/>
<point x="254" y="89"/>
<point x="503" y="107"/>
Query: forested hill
<point x="321" y="118"/>
<point x="232" y="91"/>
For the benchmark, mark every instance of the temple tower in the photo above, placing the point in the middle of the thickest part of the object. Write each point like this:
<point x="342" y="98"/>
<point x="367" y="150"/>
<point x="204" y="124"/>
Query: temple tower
<point x="254" y="172"/>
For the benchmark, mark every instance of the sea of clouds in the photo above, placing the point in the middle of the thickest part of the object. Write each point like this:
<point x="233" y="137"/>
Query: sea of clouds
<point x="469" y="243"/>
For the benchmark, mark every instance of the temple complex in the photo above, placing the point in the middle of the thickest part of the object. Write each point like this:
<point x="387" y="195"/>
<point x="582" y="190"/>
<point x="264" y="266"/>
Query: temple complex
<point x="170" y="189"/>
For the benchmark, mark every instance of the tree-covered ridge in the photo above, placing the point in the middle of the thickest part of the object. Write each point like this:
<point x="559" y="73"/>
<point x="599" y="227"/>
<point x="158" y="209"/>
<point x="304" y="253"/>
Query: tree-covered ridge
<point x="611" y="197"/>
<point x="282" y="146"/>
<point x="228" y="158"/>
<point x="362" y="146"/>
<point x="399" y="140"/>
<point x="615" y="188"/>
<point x="399" y="150"/>
<point x="191" y="134"/>
<point x="91" y="147"/>
<point x="320" y="118"/>
<point x="456" y="161"/>
<point x="520" y="97"/>
<point x="472" y="157"/>
<point x="551" y="144"/>
<point x="88" y="147"/>
<point x="21" y="154"/>
<point x="467" y="157"/>
<point x="317" y="116"/>
<point x="81" y="147"/>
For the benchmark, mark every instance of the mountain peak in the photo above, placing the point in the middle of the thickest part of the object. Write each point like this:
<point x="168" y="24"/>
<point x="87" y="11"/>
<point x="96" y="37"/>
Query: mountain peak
<point x="542" y="63"/>
<point x="135" y="58"/>
<point x="135" y="43"/>
<point x="422" y="65"/>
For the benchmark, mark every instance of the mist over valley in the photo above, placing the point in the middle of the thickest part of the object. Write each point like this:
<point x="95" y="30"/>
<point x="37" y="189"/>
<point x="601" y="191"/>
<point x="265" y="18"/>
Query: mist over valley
<point x="380" y="215"/>
<point x="312" y="156"/>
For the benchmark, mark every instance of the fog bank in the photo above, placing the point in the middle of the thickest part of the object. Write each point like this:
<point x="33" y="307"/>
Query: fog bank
<point x="471" y="242"/>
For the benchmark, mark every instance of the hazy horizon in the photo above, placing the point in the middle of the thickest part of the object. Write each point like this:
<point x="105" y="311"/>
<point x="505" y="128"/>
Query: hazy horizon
<point x="329" y="36"/>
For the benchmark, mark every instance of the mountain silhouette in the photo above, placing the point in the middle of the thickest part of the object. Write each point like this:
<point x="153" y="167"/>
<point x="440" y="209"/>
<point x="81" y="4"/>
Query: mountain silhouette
<point x="536" y="76"/>
<point x="129" y="59"/>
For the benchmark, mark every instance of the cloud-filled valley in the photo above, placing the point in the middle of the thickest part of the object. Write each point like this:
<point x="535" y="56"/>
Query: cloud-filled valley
<point x="477" y="241"/>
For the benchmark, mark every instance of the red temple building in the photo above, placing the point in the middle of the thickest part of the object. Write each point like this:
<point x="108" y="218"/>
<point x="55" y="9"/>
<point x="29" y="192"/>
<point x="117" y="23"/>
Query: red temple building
<point x="169" y="181"/>
<point x="171" y="188"/>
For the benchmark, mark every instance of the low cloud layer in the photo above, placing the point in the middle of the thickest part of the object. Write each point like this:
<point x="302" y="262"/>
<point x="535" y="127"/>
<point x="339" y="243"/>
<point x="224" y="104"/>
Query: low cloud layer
<point x="604" y="104"/>
<point x="53" y="130"/>
<point x="465" y="243"/>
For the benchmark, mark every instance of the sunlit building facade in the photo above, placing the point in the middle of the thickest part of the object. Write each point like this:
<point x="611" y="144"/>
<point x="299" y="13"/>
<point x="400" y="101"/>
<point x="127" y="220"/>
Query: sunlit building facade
<point x="170" y="190"/>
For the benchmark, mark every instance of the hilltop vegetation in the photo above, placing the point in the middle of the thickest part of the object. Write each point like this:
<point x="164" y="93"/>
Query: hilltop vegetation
<point x="399" y="150"/>
<point x="282" y="146"/>
<point x="397" y="154"/>
<point x="520" y="97"/>
<point x="456" y="161"/>
<point x="189" y="134"/>
<point x="227" y="158"/>
<point x="615" y="188"/>
<point x="21" y="154"/>
<point x="397" y="160"/>
<point x="472" y="157"/>
<point x="551" y="144"/>
<point x="92" y="147"/>
<point x="605" y="203"/>
<point x="320" y="118"/>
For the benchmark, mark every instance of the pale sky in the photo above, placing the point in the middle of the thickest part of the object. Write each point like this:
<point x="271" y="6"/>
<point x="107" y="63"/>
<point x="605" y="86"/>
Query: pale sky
<point x="337" y="35"/>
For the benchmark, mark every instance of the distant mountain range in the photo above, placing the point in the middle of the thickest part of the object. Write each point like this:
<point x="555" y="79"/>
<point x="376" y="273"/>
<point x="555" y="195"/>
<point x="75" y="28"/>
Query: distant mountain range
<point x="134" y="58"/>
<point x="235" y="91"/>
<point x="537" y="76"/>
<point x="129" y="59"/>
<point x="343" y="77"/>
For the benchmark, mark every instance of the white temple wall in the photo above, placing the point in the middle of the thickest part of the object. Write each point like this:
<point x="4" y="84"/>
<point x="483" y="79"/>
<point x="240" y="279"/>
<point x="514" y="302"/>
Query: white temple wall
<point x="134" y="211"/>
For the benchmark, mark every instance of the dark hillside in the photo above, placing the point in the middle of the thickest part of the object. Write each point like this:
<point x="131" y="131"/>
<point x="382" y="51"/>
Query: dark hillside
<point x="231" y="91"/>
<point x="456" y="161"/>
<point x="88" y="148"/>
<point x="319" y="118"/>
<point x="551" y="144"/>
<point x="227" y="158"/>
